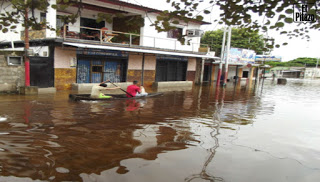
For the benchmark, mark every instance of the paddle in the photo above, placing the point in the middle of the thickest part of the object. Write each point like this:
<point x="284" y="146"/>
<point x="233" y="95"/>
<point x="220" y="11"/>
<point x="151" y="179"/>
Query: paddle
<point x="121" y="89"/>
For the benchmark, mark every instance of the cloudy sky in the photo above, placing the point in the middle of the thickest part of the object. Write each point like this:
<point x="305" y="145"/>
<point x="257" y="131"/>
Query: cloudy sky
<point x="296" y="47"/>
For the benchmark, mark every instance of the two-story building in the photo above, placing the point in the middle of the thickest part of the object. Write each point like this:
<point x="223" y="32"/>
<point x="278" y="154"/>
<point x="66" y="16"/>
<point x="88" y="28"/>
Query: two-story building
<point x="89" y="51"/>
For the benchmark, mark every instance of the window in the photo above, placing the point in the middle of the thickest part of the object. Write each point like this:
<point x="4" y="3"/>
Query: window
<point x="170" y="70"/>
<point x="96" y="71"/>
<point x="175" y="33"/>
<point x="43" y="17"/>
<point x="59" y="22"/>
<point x="245" y="74"/>
<point x="96" y="68"/>
<point x="14" y="60"/>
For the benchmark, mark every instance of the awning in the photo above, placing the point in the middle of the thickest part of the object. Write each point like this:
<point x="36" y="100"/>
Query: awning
<point x="91" y="46"/>
<point x="238" y="64"/>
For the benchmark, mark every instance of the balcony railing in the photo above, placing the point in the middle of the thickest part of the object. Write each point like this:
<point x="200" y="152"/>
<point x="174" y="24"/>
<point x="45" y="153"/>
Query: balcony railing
<point x="106" y="36"/>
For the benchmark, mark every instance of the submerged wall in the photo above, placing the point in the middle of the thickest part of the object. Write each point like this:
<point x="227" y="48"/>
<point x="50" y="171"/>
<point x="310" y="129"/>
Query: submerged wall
<point x="135" y="68"/>
<point x="191" y="70"/>
<point x="64" y="70"/>
<point x="11" y="77"/>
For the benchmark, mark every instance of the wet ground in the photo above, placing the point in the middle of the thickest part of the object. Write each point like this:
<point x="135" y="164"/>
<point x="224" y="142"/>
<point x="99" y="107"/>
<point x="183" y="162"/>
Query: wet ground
<point x="241" y="133"/>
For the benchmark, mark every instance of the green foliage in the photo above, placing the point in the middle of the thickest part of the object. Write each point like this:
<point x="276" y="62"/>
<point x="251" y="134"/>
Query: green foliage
<point x="240" y="38"/>
<point x="299" y="62"/>
<point x="9" y="19"/>
<point x="233" y="12"/>
<point x="238" y="13"/>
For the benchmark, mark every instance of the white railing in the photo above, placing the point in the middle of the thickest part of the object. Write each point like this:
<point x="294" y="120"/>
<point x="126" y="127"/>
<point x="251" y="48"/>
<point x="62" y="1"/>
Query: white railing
<point x="105" y="36"/>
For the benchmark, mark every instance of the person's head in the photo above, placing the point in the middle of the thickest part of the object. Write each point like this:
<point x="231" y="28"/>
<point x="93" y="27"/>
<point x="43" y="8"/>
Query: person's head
<point x="135" y="82"/>
<point x="103" y="85"/>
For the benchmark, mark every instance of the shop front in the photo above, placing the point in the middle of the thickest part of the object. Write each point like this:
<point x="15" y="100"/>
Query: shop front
<point x="95" y="66"/>
<point x="171" y="68"/>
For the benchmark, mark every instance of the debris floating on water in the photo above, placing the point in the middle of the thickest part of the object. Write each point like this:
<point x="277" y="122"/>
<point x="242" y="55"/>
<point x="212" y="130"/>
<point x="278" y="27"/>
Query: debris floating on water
<point x="3" y="119"/>
<point x="62" y="170"/>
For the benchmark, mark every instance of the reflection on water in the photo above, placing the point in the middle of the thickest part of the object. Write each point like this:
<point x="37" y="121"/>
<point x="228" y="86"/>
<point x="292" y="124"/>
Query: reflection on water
<point x="244" y="132"/>
<point x="215" y="125"/>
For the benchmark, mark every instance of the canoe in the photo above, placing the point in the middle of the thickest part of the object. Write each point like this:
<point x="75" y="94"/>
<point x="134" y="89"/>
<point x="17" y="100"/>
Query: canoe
<point x="79" y="97"/>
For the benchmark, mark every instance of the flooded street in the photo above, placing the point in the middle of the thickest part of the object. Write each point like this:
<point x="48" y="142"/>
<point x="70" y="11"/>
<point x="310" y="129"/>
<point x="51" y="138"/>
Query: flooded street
<point x="241" y="133"/>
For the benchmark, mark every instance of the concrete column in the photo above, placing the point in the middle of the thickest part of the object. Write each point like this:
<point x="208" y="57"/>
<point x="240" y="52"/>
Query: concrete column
<point x="250" y="75"/>
<point x="199" y="71"/>
<point x="237" y="74"/>
<point x="202" y="70"/>
<point x="257" y="74"/>
<point x="227" y="57"/>
<point x="142" y="69"/>
<point x="213" y="70"/>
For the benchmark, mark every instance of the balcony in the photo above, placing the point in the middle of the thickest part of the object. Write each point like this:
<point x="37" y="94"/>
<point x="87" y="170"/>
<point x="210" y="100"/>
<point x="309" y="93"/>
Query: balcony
<point x="105" y="36"/>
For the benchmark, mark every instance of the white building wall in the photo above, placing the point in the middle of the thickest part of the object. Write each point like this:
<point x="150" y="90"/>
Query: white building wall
<point x="12" y="35"/>
<point x="151" y="38"/>
<point x="51" y="17"/>
<point x="312" y="73"/>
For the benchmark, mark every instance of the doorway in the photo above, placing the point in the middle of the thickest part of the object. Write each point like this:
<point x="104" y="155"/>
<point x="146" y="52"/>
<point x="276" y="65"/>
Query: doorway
<point x="41" y="72"/>
<point x="207" y="73"/>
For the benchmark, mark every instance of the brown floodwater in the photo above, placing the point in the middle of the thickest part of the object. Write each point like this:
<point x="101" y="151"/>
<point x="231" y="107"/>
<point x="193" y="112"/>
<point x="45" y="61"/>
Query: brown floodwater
<point x="241" y="133"/>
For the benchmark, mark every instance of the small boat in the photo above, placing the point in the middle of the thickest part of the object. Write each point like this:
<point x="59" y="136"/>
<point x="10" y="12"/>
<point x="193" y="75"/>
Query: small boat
<point x="79" y="97"/>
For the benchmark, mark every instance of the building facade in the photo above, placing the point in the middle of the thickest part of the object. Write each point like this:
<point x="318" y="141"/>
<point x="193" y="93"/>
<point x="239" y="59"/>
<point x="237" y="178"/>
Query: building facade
<point x="88" y="51"/>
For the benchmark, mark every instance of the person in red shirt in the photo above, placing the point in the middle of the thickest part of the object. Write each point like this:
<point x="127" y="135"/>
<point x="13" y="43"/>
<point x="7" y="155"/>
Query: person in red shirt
<point x="134" y="90"/>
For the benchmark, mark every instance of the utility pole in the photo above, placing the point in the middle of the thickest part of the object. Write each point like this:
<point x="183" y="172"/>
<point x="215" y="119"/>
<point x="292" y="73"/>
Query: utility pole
<point x="26" y="47"/>
<point x="227" y="57"/>
<point x="221" y="57"/>
<point x="27" y="89"/>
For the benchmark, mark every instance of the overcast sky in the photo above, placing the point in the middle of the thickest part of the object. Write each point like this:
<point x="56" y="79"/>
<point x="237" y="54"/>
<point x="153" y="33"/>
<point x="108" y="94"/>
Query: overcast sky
<point x="296" y="47"/>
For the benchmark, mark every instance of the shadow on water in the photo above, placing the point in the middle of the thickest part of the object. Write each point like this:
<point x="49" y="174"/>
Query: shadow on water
<point x="48" y="137"/>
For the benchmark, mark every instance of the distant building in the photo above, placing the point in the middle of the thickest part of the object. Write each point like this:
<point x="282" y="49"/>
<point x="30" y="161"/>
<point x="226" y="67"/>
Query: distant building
<point x="241" y="65"/>
<point x="296" y="72"/>
<point x="311" y="73"/>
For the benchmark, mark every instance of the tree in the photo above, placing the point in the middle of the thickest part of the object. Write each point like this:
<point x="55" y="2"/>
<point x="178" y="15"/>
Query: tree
<point x="245" y="14"/>
<point x="240" y="38"/>
<point x="16" y="15"/>
<point x="298" y="62"/>
<point x="254" y="15"/>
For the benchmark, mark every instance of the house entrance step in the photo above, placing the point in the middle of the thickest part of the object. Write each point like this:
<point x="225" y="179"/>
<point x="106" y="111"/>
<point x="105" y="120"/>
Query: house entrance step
<point x="47" y="90"/>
